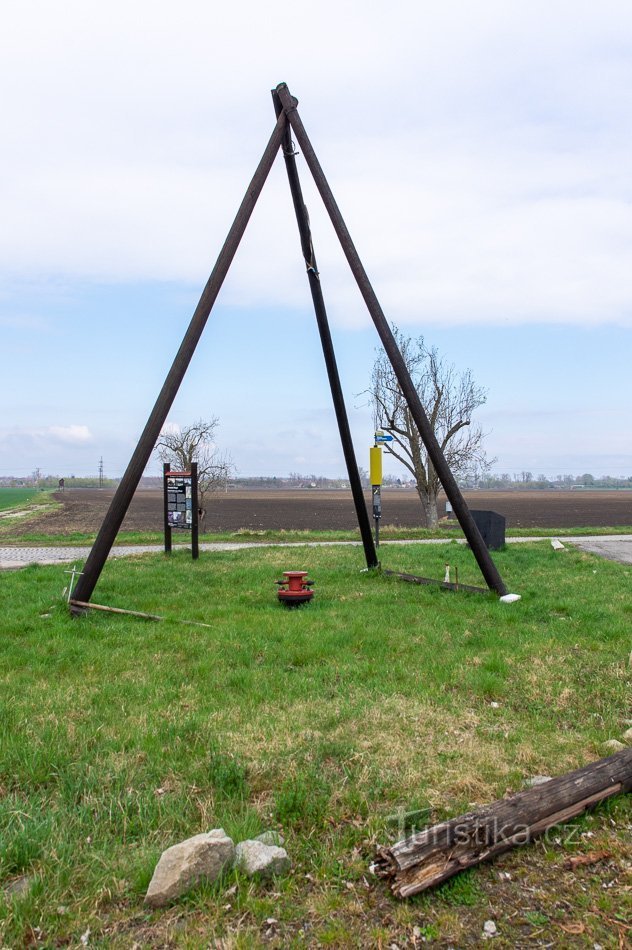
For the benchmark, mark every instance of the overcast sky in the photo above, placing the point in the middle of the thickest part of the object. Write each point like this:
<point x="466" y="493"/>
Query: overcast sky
<point x="479" y="151"/>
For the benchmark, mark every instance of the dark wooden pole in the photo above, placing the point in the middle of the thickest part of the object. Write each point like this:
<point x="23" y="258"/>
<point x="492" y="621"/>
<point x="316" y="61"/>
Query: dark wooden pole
<point x="165" y="468"/>
<point x="125" y="491"/>
<point x="452" y="490"/>
<point x="302" y="219"/>
<point x="195" y="547"/>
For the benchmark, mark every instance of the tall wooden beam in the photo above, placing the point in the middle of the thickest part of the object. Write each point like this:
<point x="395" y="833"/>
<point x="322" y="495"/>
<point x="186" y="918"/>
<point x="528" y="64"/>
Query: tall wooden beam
<point x="452" y="490"/>
<point x="125" y="491"/>
<point x="302" y="219"/>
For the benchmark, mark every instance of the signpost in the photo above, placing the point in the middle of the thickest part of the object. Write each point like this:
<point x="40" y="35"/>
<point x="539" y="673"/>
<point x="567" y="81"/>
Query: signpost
<point x="375" y="473"/>
<point x="181" y="505"/>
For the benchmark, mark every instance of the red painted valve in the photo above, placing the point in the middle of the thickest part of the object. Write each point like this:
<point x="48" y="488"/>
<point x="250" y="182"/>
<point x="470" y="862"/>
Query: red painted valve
<point x="295" y="590"/>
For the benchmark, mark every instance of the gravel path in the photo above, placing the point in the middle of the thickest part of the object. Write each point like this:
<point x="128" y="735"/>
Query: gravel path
<point x="611" y="546"/>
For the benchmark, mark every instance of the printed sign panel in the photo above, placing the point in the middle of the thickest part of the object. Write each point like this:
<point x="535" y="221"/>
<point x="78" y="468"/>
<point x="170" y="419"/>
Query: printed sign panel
<point x="179" y="500"/>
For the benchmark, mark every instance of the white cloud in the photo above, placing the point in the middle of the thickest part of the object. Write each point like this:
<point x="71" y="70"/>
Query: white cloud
<point x="56" y="449"/>
<point x="72" y="434"/>
<point x="45" y="436"/>
<point x="170" y="428"/>
<point x="479" y="152"/>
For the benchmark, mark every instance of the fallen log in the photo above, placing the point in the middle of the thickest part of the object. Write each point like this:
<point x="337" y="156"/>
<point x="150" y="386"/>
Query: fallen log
<point x="87" y="605"/>
<point x="80" y="606"/>
<point x="435" y="854"/>
<point x="416" y="579"/>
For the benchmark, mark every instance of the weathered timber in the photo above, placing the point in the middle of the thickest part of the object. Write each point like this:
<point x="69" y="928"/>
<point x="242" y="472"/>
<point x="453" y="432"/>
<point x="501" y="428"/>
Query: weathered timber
<point x="488" y="568"/>
<point x="87" y="605"/>
<point x="435" y="854"/>
<point x="81" y="606"/>
<point x="416" y="579"/>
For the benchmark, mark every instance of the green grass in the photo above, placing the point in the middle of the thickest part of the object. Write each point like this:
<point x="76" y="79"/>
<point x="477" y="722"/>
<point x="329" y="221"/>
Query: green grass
<point x="21" y="497"/>
<point x="243" y="534"/>
<point x="119" y="737"/>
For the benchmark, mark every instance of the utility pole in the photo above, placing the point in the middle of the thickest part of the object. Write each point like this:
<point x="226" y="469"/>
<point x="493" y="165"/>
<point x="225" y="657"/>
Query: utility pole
<point x="101" y="473"/>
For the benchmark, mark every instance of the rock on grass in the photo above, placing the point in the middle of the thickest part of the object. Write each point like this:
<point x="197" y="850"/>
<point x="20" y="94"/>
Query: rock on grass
<point x="181" y="867"/>
<point x="262" y="860"/>
<point x="271" y="837"/>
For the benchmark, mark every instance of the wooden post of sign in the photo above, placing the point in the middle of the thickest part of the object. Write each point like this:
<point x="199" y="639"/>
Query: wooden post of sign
<point x="195" y="547"/>
<point x="165" y="492"/>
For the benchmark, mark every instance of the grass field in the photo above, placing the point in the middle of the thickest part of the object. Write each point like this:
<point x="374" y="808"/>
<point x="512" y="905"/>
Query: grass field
<point x="19" y="497"/>
<point x="119" y="737"/>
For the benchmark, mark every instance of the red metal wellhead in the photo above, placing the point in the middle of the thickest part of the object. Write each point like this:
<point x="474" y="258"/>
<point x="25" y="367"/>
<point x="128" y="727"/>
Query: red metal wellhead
<point x="295" y="589"/>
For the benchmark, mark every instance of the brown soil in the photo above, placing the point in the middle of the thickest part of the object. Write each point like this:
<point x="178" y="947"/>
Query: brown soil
<point x="83" y="510"/>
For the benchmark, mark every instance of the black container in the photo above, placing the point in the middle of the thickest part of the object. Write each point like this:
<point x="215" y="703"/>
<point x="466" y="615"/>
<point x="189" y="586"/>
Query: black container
<point x="492" y="528"/>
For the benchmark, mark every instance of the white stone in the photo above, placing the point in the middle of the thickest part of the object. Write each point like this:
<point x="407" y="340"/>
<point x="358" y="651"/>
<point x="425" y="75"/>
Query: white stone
<point x="489" y="928"/>
<point x="264" y="860"/>
<point x="510" y="598"/>
<point x="627" y="735"/>
<point x="557" y="545"/>
<point x="613" y="745"/>
<point x="271" y="837"/>
<point x="181" y="867"/>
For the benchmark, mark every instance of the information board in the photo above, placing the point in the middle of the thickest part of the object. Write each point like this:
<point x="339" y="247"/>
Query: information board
<point x="181" y="505"/>
<point x="179" y="500"/>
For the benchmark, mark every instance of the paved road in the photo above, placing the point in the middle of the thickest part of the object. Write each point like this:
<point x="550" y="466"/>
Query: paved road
<point x="612" y="546"/>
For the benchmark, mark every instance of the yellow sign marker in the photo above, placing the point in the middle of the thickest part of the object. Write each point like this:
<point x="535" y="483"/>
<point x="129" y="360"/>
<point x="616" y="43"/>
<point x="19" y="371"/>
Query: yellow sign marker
<point x="375" y="464"/>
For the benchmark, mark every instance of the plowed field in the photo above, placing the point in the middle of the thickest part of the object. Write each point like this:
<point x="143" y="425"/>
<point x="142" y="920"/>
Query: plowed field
<point x="84" y="509"/>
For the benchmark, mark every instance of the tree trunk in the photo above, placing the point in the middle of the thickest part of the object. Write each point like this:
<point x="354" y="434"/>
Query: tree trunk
<point x="429" y="504"/>
<point x="434" y="855"/>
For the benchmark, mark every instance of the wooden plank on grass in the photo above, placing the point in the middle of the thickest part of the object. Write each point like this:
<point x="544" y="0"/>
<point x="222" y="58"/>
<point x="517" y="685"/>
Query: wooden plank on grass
<point x="436" y="854"/>
<point x="84" y="605"/>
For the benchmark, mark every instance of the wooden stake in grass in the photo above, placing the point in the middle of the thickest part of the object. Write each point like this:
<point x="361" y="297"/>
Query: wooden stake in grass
<point x="436" y="854"/>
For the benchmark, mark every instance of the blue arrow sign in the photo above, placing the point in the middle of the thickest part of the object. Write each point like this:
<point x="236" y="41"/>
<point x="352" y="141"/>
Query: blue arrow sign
<point x="384" y="438"/>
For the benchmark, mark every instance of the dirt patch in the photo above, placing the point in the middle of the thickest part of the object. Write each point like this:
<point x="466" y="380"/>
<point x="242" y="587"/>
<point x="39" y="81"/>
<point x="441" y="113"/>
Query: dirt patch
<point x="13" y="513"/>
<point x="83" y="510"/>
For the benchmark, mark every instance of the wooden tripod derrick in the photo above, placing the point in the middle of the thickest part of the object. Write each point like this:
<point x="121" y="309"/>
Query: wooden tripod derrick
<point x="288" y="122"/>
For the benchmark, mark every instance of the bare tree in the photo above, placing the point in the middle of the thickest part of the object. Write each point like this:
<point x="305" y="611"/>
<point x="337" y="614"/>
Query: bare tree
<point x="449" y="399"/>
<point x="180" y="446"/>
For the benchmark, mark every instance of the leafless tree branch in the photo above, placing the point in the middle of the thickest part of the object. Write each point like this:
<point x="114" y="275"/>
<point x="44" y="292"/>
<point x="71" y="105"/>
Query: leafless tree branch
<point x="449" y="398"/>
<point x="196" y="443"/>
